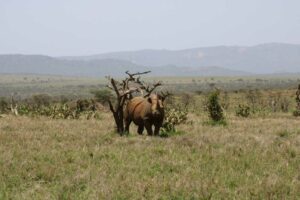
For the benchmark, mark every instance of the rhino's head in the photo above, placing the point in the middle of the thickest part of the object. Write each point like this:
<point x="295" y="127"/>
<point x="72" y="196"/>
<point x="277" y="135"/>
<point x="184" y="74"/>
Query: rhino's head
<point x="157" y="107"/>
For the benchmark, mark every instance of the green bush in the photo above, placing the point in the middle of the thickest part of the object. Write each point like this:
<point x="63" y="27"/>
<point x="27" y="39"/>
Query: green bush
<point x="103" y="95"/>
<point x="296" y="113"/>
<point x="214" y="108"/>
<point x="24" y="110"/>
<point x="242" y="111"/>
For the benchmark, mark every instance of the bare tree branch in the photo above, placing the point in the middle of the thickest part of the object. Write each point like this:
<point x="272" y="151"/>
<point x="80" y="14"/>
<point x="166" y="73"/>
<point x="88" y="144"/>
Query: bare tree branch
<point x="150" y="90"/>
<point x="165" y="95"/>
<point x="129" y="91"/>
<point x="136" y="74"/>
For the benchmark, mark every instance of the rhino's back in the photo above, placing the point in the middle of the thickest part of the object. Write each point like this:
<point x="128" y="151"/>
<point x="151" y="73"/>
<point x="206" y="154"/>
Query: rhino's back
<point x="137" y="108"/>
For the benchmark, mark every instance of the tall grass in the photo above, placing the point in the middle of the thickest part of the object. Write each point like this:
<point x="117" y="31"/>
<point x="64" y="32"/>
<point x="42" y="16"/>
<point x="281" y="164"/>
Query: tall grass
<point x="253" y="158"/>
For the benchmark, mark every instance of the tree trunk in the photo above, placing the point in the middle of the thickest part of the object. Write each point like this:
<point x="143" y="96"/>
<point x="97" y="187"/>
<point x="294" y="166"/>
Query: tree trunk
<point x="119" y="120"/>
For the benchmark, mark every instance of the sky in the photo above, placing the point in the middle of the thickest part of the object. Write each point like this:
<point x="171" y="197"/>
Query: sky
<point x="86" y="27"/>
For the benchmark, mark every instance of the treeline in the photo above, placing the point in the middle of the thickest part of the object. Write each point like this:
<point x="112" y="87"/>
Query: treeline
<point x="59" y="107"/>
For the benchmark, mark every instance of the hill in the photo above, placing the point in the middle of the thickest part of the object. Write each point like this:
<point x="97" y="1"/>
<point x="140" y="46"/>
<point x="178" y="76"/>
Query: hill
<point x="39" y="64"/>
<point x="208" y="61"/>
<point x="263" y="58"/>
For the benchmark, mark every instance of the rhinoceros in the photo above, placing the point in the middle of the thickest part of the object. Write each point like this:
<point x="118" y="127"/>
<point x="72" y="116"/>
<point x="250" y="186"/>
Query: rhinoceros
<point x="145" y="112"/>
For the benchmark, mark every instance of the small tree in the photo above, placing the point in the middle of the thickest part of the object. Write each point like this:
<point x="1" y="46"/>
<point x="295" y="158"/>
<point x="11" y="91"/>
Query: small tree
<point x="103" y="95"/>
<point x="214" y="108"/>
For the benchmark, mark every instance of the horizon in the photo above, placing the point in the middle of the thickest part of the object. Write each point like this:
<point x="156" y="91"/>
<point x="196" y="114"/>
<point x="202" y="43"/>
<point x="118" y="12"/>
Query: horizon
<point x="145" y="49"/>
<point x="64" y="27"/>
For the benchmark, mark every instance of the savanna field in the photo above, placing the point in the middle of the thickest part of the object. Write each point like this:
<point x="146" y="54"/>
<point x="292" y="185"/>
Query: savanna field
<point x="253" y="156"/>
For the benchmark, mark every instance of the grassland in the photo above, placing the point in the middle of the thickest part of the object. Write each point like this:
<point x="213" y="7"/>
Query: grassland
<point x="27" y="85"/>
<point x="249" y="158"/>
<point x="254" y="158"/>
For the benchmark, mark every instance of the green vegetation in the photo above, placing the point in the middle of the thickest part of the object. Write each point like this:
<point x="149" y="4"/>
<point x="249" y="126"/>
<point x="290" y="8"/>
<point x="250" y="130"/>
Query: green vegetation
<point x="242" y="111"/>
<point x="103" y="95"/>
<point x="214" y="108"/>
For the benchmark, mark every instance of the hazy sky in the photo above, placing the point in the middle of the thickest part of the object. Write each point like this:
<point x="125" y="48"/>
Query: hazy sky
<point x="83" y="27"/>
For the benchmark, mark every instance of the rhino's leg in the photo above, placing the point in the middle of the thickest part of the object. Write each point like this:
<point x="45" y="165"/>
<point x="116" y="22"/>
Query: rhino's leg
<point x="127" y="124"/>
<point x="148" y="127"/>
<point x="140" y="129"/>
<point x="156" y="129"/>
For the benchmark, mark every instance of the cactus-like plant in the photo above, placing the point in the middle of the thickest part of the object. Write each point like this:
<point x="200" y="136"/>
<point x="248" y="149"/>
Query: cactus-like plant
<point x="242" y="111"/>
<point x="173" y="117"/>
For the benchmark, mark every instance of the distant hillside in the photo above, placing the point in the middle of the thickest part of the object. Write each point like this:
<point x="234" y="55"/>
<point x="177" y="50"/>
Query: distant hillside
<point x="265" y="58"/>
<point x="208" y="61"/>
<point x="38" y="64"/>
<point x="196" y="71"/>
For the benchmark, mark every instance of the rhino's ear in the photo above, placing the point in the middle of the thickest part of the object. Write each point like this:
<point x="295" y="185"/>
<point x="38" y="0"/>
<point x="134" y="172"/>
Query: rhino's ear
<point x="149" y="100"/>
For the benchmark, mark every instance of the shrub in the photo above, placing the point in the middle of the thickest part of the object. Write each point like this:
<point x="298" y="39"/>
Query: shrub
<point x="24" y="110"/>
<point x="41" y="100"/>
<point x="242" y="111"/>
<point x="254" y="98"/>
<point x="60" y="111"/>
<point x="3" y="105"/>
<point x="296" y="113"/>
<point x="214" y="108"/>
<point x="173" y="117"/>
<point x="103" y="96"/>
<point x="278" y="102"/>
